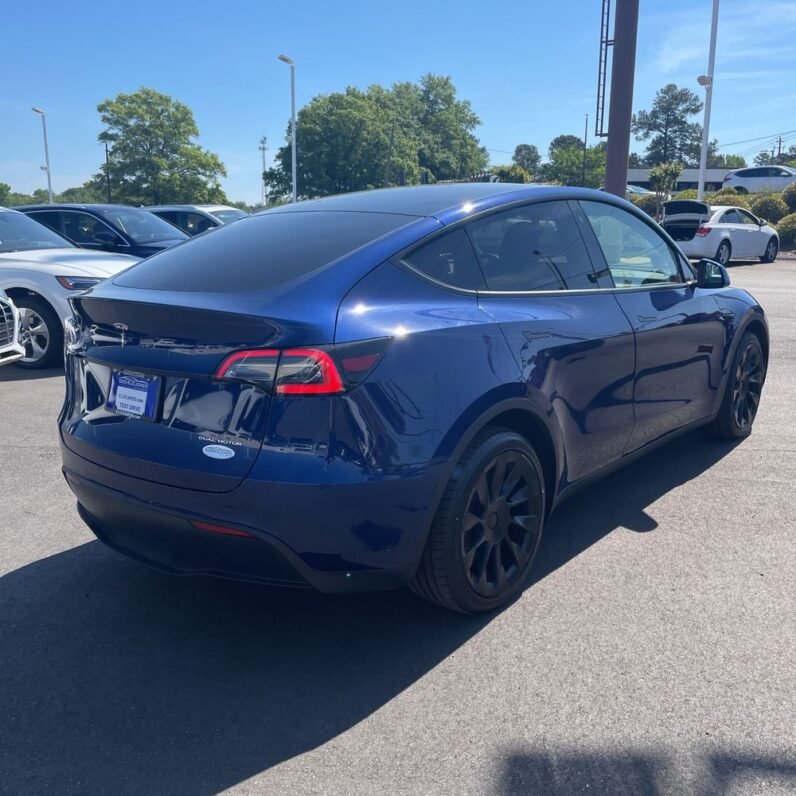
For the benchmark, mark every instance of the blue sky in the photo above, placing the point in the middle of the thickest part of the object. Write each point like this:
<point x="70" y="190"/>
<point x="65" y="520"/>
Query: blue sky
<point x="528" y="68"/>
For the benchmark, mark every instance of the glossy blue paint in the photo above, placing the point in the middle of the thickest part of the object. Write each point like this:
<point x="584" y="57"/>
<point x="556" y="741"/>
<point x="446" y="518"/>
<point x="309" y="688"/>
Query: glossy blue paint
<point x="343" y="487"/>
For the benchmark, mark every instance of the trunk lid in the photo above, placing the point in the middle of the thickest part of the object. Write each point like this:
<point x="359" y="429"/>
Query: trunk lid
<point x="203" y="434"/>
<point x="683" y="217"/>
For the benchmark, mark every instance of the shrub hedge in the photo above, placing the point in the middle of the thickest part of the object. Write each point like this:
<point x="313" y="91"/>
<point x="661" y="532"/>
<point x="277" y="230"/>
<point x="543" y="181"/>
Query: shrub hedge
<point x="787" y="231"/>
<point x="789" y="197"/>
<point x="768" y="206"/>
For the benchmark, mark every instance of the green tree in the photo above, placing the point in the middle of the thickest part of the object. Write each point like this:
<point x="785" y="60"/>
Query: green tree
<point x="726" y="162"/>
<point x="356" y="140"/>
<point x="5" y="193"/>
<point x="667" y="128"/>
<point x="153" y="156"/>
<point x="565" y="166"/>
<point x="527" y="157"/>
<point x="663" y="180"/>
<point x="512" y="173"/>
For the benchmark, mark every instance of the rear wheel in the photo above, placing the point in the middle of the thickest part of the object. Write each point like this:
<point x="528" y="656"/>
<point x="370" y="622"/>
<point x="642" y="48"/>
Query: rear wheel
<point x="742" y="393"/>
<point x="772" y="249"/>
<point x="724" y="252"/>
<point x="741" y="190"/>
<point x="487" y="528"/>
<point x="40" y="333"/>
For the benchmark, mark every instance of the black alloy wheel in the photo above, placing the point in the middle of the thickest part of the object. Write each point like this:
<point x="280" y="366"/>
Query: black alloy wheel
<point x="501" y="524"/>
<point x="747" y="386"/>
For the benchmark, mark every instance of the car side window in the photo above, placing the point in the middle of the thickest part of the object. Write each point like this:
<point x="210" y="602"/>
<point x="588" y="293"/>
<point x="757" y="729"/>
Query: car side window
<point x="730" y="217"/>
<point x="82" y="227"/>
<point x="636" y="254"/>
<point x="50" y="218"/>
<point x="450" y="259"/>
<point x="533" y="247"/>
<point x="747" y="218"/>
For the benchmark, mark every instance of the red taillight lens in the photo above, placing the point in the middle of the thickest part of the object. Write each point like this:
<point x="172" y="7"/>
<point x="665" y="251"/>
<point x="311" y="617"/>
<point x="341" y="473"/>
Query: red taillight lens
<point x="222" y="529"/>
<point x="308" y="371"/>
<point x="728" y="178"/>
<point x="702" y="231"/>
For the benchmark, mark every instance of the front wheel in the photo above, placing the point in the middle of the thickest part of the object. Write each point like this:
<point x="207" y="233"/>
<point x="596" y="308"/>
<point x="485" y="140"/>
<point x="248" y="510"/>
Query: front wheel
<point x="724" y="252"/>
<point x="742" y="393"/>
<point x="772" y="249"/>
<point x="40" y="333"/>
<point x="488" y="526"/>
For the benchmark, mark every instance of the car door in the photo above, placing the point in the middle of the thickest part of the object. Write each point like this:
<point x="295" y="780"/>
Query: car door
<point x="731" y="223"/>
<point x="781" y="179"/>
<point x="755" y="239"/>
<point x="681" y="335"/>
<point x="89" y="232"/>
<point x="573" y="345"/>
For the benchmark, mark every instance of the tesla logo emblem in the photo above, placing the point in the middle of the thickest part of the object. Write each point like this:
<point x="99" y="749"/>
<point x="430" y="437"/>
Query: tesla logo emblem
<point x="121" y="327"/>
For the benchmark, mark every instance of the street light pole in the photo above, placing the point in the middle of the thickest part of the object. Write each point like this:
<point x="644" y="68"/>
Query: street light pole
<point x="107" y="172"/>
<point x="585" y="144"/>
<point x="289" y="61"/>
<point x="707" y="82"/>
<point x="263" y="148"/>
<point x="46" y="152"/>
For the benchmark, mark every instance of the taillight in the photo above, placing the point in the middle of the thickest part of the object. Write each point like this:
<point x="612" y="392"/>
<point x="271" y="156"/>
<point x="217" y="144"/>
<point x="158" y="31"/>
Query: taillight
<point x="702" y="231"/>
<point x="305" y="371"/>
<point x="225" y="530"/>
<point x="728" y="177"/>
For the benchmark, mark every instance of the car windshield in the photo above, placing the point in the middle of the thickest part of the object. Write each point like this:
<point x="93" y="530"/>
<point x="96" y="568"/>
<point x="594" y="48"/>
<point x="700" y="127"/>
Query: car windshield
<point x="226" y="216"/>
<point x="141" y="226"/>
<point x="20" y="233"/>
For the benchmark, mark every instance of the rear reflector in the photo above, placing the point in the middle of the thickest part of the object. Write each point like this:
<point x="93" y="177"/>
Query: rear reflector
<point x="702" y="231"/>
<point x="222" y="529"/>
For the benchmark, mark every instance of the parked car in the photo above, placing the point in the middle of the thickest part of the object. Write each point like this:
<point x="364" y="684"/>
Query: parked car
<point x="720" y="232"/>
<point x="109" y="228"/>
<point x="760" y="179"/>
<point x="394" y="386"/>
<point x="193" y="219"/>
<point x="10" y="348"/>
<point x="40" y="270"/>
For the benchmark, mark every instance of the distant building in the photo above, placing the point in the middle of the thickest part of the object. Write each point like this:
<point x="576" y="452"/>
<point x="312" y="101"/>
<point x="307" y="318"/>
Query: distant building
<point x="714" y="178"/>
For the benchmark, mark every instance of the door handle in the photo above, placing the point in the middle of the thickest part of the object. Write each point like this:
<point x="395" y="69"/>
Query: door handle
<point x="647" y="318"/>
<point x="727" y="315"/>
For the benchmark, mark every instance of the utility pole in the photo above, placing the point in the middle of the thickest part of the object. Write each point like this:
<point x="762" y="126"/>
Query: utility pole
<point x="46" y="152"/>
<point x="707" y="82"/>
<point x="107" y="172"/>
<point x="289" y="61"/>
<point x="779" y="149"/>
<point x="263" y="149"/>
<point x="389" y="155"/>
<point x="585" y="144"/>
<point x="623" y="67"/>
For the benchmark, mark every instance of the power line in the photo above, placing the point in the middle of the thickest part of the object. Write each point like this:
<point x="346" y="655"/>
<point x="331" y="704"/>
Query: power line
<point x="749" y="140"/>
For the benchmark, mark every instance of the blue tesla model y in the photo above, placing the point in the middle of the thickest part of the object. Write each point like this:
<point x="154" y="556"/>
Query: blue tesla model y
<point x="393" y="387"/>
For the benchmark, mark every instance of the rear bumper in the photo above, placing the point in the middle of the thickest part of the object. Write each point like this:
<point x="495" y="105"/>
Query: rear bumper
<point x="348" y="537"/>
<point x="698" y="247"/>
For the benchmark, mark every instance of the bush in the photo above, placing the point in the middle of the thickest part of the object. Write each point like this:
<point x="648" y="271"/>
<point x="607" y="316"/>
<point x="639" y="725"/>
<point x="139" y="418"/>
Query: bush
<point x="646" y="202"/>
<point x="787" y="231"/>
<point x="689" y="193"/>
<point x="729" y="196"/>
<point x="769" y="206"/>
<point x="789" y="197"/>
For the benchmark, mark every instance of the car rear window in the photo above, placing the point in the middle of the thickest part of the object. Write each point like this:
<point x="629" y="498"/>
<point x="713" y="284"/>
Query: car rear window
<point x="260" y="252"/>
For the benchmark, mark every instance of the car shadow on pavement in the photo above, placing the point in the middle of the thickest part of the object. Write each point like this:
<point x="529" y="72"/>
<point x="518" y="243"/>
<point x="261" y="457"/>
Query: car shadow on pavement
<point x="116" y="678"/>
<point x="635" y="773"/>
<point x="621" y="499"/>
<point x="12" y="373"/>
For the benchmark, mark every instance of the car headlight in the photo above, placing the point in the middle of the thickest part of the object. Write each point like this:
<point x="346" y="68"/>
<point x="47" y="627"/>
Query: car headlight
<point x="78" y="282"/>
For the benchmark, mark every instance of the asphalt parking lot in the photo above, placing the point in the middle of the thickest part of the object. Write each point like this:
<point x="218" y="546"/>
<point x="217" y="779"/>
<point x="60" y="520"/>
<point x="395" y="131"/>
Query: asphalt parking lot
<point x="654" y="653"/>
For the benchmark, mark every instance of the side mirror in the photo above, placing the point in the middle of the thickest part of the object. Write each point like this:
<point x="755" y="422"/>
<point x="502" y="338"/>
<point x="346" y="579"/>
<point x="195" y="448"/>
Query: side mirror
<point x="762" y="222"/>
<point x="105" y="238"/>
<point x="712" y="275"/>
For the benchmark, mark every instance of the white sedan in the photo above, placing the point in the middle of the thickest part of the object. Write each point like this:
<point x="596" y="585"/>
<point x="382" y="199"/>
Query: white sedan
<point x="39" y="270"/>
<point x="760" y="179"/>
<point x="719" y="233"/>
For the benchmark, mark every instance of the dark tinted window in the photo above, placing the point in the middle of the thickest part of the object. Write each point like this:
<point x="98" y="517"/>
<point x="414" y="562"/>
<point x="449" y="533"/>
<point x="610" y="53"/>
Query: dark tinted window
<point x="730" y="217"/>
<point x="636" y="254"/>
<point x="50" y="218"/>
<point x="450" y="259"/>
<point x="534" y="247"/>
<point x="260" y="252"/>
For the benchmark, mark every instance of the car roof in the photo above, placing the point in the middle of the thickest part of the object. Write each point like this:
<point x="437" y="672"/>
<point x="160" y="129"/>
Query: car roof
<point x="69" y="206"/>
<point x="444" y="202"/>
<point x="207" y="208"/>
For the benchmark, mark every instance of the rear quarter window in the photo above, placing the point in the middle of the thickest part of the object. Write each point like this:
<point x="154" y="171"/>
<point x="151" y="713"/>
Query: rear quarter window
<point x="260" y="252"/>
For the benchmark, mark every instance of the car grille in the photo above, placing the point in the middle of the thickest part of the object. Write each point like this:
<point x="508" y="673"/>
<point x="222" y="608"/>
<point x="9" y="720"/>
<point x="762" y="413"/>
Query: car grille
<point x="6" y="324"/>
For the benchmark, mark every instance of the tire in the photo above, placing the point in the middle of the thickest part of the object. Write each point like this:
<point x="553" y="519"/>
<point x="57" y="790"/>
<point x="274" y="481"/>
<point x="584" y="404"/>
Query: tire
<point x="724" y="252"/>
<point x="772" y="250"/>
<point x="479" y="554"/>
<point x="41" y="334"/>
<point x="741" y="190"/>
<point x="742" y="393"/>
